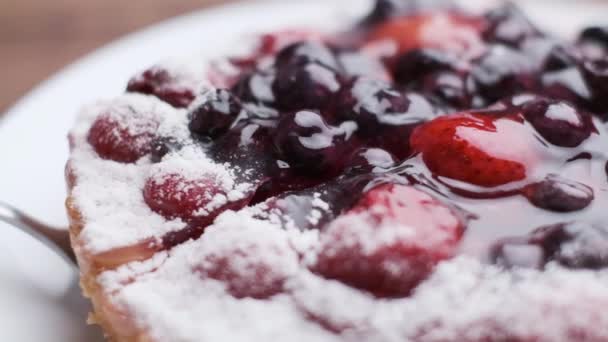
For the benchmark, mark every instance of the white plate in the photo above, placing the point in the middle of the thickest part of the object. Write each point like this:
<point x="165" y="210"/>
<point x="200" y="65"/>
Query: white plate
<point x="40" y="301"/>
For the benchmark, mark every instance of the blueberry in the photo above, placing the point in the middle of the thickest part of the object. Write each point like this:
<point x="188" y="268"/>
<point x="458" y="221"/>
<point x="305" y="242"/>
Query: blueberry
<point x="453" y="89"/>
<point x="354" y="64"/>
<point x="386" y="9"/>
<point x="309" y="145"/>
<point x="559" y="122"/>
<point x="255" y="87"/>
<point x="508" y="25"/>
<point x="559" y="194"/>
<point x="215" y="113"/>
<point x="366" y="159"/>
<point x="566" y="84"/>
<point x="595" y="72"/>
<point x="305" y="86"/>
<point x="385" y="116"/>
<point x="383" y="10"/>
<point x="161" y="146"/>
<point x="518" y="253"/>
<point x="576" y="245"/>
<point x="306" y="52"/>
<point x="413" y="65"/>
<point x="587" y="247"/>
<point x="595" y="34"/>
<point x="560" y="57"/>
<point x="248" y="142"/>
<point x="374" y="104"/>
<point x="503" y="72"/>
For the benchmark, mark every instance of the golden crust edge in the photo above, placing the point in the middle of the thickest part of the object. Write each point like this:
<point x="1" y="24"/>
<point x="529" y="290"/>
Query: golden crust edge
<point x="117" y="325"/>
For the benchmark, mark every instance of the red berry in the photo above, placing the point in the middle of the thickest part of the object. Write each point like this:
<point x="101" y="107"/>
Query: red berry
<point x="122" y="137"/>
<point x="167" y="86"/>
<point x="249" y="266"/>
<point x="389" y="241"/>
<point x="198" y="200"/>
<point x="451" y="32"/>
<point x="479" y="149"/>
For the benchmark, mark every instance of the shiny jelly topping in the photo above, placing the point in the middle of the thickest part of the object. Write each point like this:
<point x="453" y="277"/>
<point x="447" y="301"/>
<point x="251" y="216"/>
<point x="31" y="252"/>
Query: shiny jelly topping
<point x="437" y="131"/>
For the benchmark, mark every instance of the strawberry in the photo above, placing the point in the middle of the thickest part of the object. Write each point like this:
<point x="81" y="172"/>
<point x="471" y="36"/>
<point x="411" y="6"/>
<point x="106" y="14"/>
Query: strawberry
<point x="476" y="148"/>
<point x="251" y="260"/>
<point x="122" y="137"/>
<point x="193" y="200"/>
<point x="451" y="32"/>
<point x="389" y="241"/>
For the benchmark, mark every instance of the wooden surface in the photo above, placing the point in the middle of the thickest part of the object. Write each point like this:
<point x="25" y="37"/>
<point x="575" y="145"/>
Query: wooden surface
<point x="39" y="37"/>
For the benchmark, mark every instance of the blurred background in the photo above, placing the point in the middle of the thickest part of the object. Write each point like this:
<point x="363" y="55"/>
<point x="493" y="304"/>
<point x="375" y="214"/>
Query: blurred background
<point x="39" y="37"/>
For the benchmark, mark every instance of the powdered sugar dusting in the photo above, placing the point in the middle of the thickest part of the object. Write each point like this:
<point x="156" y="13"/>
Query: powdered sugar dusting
<point x="463" y="300"/>
<point x="178" y="303"/>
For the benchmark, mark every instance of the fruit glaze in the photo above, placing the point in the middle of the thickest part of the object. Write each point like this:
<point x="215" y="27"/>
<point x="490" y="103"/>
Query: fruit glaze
<point x="427" y="175"/>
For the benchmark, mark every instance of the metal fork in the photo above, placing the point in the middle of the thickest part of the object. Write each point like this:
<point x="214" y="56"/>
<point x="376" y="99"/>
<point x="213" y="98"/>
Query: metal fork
<point x="55" y="238"/>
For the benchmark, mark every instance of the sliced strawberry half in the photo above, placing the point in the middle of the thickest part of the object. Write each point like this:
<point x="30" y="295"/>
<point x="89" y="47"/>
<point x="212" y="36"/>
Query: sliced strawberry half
<point x="480" y="149"/>
<point x="389" y="241"/>
<point x="452" y="32"/>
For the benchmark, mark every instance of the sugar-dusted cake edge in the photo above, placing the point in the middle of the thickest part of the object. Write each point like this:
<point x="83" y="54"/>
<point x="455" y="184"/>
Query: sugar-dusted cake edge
<point x="117" y="326"/>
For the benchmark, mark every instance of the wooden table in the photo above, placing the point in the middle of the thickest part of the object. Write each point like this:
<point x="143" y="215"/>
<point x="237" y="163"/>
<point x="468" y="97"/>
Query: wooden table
<point x="39" y="37"/>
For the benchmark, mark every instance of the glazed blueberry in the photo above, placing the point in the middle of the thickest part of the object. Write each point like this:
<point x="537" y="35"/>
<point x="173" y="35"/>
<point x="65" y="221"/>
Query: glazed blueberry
<point x="248" y="143"/>
<point x="453" y="89"/>
<point x="559" y="122"/>
<point x="577" y="245"/>
<point x="567" y="84"/>
<point x="214" y="115"/>
<point x="586" y="248"/>
<point x="596" y="74"/>
<point x="386" y="9"/>
<point x="370" y="158"/>
<point x="559" y="194"/>
<point x="595" y="34"/>
<point x="372" y="104"/>
<point x="384" y="115"/>
<point x="518" y="253"/>
<point x="508" y="24"/>
<point x="502" y="72"/>
<point x="383" y="10"/>
<point x="164" y="85"/>
<point x="161" y="146"/>
<point x="255" y="87"/>
<point x="306" y="52"/>
<point x="310" y="85"/>
<point x="355" y="64"/>
<point x="560" y="57"/>
<point x="309" y="144"/>
<point x="413" y="65"/>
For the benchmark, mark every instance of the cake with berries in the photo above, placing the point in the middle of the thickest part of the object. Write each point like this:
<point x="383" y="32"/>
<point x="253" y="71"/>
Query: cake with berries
<point x="427" y="175"/>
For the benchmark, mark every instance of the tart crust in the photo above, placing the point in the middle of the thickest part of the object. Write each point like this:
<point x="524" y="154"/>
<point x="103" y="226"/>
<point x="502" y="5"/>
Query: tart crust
<point x="117" y="325"/>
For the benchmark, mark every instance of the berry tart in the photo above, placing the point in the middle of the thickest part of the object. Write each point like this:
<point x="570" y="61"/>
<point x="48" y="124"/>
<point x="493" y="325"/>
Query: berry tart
<point x="426" y="175"/>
